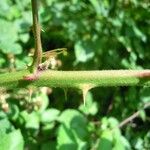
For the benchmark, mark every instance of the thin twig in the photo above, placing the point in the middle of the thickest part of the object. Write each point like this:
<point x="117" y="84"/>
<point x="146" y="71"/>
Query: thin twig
<point x="37" y="37"/>
<point x="133" y="116"/>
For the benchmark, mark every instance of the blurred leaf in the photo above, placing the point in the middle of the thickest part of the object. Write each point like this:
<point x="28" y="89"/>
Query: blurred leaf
<point x="118" y="146"/>
<point x="138" y="142"/>
<point x="5" y="126"/>
<point x="48" y="146"/>
<point x="139" y="34"/>
<point x="2" y="61"/>
<point x="5" y="9"/>
<point x="108" y="123"/>
<point x="147" y="140"/>
<point x="105" y="140"/>
<point x="8" y="27"/>
<point x="126" y="143"/>
<point x="145" y="94"/>
<point x="45" y="101"/>
<point x="24" y="37"/>
<point x="72" y="132"/>
<point x="120" y="142"/>
<point x="2" y="114"/>
<point x="83" y="52"/>
<point x="142" y="115"/>
<point x="31" y="120"/>
<point x="10" y="47"/>
<point x="47" y="128"/>
<point x="110" y="136"/>
<point x="12" y="141"/>
<point x="90" y="107"/>
<point x="20" y="64"/>
<point x="14" y="112"/>
<point x="8" y="41"/>
<point x="49" y="115"/>
<point x="96" y="5"/>
<point x="113" y="122"/>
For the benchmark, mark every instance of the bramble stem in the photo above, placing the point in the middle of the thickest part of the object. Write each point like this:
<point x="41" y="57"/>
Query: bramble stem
<point x="78" y="79"/>
<point x="37" y="37"/>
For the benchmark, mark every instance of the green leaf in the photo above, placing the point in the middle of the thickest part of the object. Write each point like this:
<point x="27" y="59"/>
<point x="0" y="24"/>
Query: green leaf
<point x="83" y="52"/>
<point x="24" y="37"/>
<point x="2" y="61"/>
<point x="66" y="139"/>
<point x="118" y="146"/>
<point x="120" y="142"/>
<point x="8" y="31"/>
<point x="126" y="143"/>
<point x="9" y="37"/>
<point x="12" y="141"/>
<point x="72" y="132"/>
<point x="5" y="126"/>
<point x="138" y="143"/>
<point x="2" y="114"/>
<point x="14" y="112"/>
<point x="47" y="128"/>
<point x="138" y="33"/>
<point x="45" y="101"/>
<point x="31" y="120"/>
<point x="113" y="122"/>
<point x="142" y="114"/>
<point x="106" y="140"/>
<point x="96" y="6"/>
<point x="70" y="116"/>
<point x="20" y="64"/>
<point x="48" y="146"/>
<point x="5" y="9"/>
<point x="10" y="47"/>
<point x="49" y="115"/>
<point x="90" y="107"/>
<point x="145" y="94"/>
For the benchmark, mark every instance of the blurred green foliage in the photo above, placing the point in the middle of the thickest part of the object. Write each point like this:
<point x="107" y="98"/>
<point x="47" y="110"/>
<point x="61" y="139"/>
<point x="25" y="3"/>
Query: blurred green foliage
<point x="99" y="34"/>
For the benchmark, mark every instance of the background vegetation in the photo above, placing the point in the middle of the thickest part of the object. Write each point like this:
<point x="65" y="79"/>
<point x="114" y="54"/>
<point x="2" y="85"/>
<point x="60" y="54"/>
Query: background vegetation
<point x="108" y="34"/>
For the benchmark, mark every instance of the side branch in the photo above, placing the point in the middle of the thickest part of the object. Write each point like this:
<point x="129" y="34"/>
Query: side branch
<point x="78" y="79"/>
<point x="133" y="116"/>
<point x="37" y="37"/>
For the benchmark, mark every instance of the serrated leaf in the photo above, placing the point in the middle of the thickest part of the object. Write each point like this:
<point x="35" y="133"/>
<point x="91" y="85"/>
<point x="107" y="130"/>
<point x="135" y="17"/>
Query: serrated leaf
<point x="126" y="143"/>
<point x="120" y="142"/>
